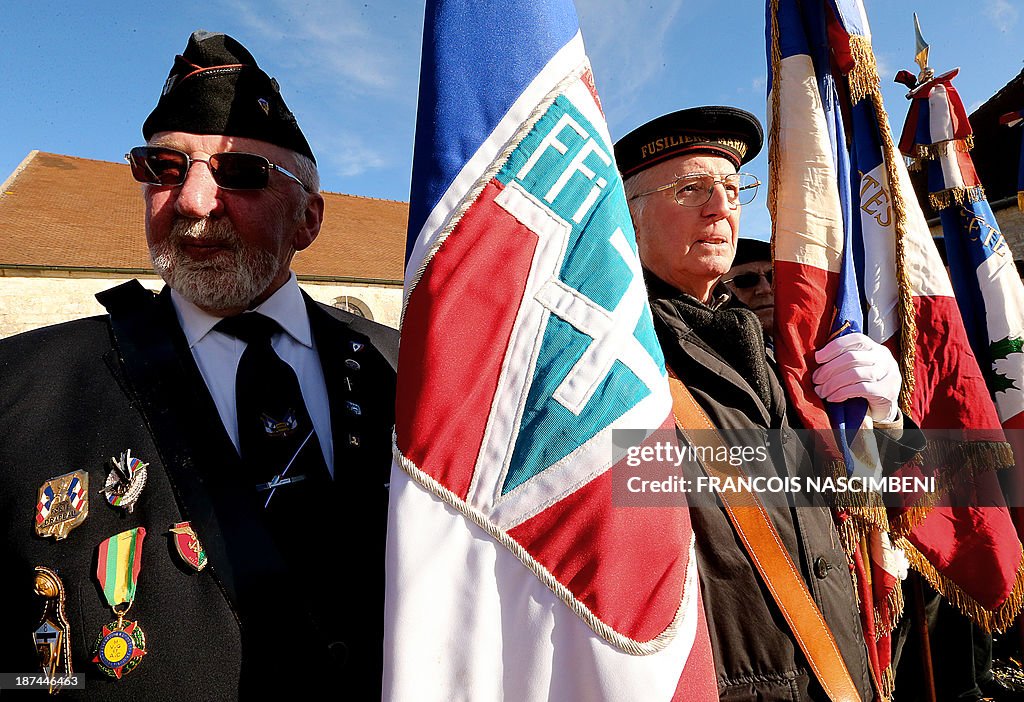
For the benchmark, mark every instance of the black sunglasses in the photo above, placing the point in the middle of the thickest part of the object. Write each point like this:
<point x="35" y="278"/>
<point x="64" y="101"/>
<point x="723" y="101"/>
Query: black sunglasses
<point x="231" y="170"/>
<point x="749" y="280"/>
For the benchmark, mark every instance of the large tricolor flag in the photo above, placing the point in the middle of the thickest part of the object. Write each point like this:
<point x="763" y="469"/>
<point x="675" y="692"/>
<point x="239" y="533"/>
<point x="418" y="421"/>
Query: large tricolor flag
<point x="846" y="223"/>
<point x="526" y="340"/>
<point x="813" y="199"/>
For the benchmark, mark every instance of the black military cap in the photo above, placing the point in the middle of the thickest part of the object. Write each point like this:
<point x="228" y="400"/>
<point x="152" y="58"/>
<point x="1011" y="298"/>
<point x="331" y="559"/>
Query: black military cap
<point x="750" y="250"/>
<point x="724" y="131"/>
<point x="215" y="87"/>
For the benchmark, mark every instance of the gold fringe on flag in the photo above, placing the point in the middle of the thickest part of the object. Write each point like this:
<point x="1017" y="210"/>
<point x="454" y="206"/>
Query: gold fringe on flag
<point x="930" y="152"/>
<point x="955" y="196"/>
<point x="863" y="77"/>
<point x="996" y="620"/>
<point x="888" y="684"/>
<point x="850" y="535"/>
<point x="895" y="601"/>
<point x="867" y="510"/>
<point x="914" y="165"/>
<point x="956" y="463"/>
<point x="864" y="83"/>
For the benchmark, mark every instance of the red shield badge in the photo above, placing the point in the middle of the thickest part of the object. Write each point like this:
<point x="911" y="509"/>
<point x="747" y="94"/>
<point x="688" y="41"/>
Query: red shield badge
<point x="187" y="544"/>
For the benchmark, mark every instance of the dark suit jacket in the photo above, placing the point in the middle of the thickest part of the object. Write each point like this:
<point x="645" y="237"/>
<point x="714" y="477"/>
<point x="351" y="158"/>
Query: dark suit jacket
<point x="288" y="603"/>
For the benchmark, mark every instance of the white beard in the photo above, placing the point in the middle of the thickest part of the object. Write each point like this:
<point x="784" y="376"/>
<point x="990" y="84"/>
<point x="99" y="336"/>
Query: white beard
<point x="225" y="282"/>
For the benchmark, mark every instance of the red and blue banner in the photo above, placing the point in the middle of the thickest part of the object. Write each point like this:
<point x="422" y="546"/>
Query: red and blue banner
<point x="526" y="341"/>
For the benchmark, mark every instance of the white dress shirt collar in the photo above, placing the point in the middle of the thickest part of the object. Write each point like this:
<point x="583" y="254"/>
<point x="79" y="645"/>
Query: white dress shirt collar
<point x="286" y="307"/>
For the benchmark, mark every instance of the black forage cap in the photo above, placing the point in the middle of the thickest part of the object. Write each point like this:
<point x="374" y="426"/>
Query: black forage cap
<point x="750" y="250"/>
<point x="729" y="132"/>
<point x="215" y="87"/>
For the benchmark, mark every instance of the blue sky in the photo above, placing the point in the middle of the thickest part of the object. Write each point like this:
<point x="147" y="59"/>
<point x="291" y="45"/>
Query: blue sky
<point x="80" y="78"/>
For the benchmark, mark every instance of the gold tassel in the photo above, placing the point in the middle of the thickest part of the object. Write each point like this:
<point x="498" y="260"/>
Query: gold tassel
<point x="863" y="77"/>
<point x="959" y="196"/>
<point x="888" y="683"/>
<point x="996" y="620"/>
<point x="1020" y="200"/>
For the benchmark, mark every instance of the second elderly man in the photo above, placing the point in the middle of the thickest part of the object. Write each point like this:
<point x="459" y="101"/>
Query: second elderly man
<point x="685" y="195"/>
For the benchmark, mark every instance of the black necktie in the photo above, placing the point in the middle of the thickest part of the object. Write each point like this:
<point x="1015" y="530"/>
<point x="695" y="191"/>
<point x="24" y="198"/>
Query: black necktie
<point x="277" y="442"/>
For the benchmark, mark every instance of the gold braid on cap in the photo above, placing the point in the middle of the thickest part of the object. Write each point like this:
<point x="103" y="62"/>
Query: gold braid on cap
<point x="670" y="142"/>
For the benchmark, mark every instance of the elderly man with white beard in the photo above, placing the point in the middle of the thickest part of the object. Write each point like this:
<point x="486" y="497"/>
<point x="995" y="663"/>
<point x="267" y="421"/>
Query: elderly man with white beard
<point x="229" y="418"/>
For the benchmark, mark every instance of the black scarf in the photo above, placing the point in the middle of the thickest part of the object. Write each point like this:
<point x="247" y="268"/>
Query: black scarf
<point x="732" y="333"/>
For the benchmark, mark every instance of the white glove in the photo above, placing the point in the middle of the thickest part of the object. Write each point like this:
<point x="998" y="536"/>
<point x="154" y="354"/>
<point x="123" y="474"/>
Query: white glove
<point x="855" y="366"/>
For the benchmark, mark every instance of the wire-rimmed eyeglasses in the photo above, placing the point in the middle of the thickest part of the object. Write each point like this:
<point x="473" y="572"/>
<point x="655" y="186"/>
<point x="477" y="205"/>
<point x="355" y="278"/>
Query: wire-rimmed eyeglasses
<point x="694" y="189"/>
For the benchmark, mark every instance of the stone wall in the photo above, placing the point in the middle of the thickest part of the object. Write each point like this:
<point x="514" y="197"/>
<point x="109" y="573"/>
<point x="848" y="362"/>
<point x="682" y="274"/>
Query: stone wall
<point x="31" y="301"/>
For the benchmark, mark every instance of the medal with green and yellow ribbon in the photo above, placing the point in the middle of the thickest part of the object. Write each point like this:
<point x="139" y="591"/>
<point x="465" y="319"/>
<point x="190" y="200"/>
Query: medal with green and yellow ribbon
<point x="122" y="643"/>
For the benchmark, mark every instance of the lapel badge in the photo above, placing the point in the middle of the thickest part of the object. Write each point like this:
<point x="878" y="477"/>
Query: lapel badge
<point x="125" y="481"/>
<point x="52" y="637"/>
<point x="264" y="105"/>
<point x="353" y="408"/>
<point x="357" y="346"/>
<point x="280" y="429"/>
<point x="352" y="364"/>
<point x="63" y="504"/>
<point x="187" y="544"/>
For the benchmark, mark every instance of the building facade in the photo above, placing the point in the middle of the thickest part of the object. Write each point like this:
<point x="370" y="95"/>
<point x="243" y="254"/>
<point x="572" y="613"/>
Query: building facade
<point x="71" y="227"/>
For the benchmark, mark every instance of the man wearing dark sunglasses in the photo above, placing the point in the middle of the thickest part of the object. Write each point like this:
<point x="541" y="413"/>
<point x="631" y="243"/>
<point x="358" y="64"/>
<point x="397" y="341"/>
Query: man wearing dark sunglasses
<point x="264" y="419"/>
<point x="685" y="192"/>
<point x="750" y="281"/>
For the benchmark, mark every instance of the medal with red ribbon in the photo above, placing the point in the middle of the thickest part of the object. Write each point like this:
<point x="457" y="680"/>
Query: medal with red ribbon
<point x="122" y="643"/>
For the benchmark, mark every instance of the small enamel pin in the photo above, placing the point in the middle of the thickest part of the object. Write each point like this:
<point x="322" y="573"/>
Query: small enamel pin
<point x="187" y="544"/>
<point x="63" y="504"/>
<point x="280" y="428"/>
<point x="125" y="481"/>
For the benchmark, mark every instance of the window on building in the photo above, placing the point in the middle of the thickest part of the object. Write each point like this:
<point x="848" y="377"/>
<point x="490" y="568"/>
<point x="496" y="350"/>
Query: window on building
<point x="353" y="305"/>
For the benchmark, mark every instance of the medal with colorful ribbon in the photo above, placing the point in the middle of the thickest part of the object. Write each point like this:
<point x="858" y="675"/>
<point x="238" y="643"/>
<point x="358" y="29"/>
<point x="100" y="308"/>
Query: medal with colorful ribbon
<point x="122" y="643"/>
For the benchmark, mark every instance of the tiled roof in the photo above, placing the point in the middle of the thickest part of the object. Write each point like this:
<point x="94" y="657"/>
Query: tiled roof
<point x="66" y="212"/>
